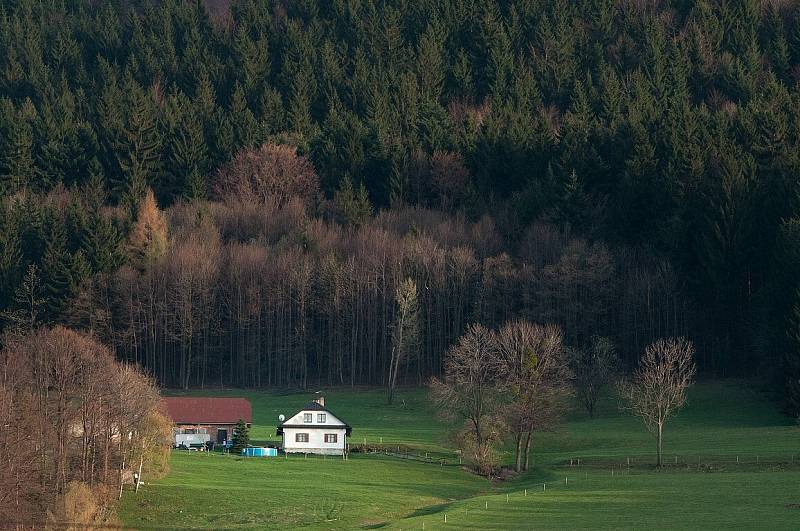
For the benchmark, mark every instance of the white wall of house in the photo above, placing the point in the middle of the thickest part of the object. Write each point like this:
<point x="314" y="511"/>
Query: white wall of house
<point x="316" y="428"/>
<point x="316" y="440"/>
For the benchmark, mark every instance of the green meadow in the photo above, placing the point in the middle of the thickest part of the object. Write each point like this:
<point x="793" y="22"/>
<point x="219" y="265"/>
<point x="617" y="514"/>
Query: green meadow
<point x="723" y="423"/>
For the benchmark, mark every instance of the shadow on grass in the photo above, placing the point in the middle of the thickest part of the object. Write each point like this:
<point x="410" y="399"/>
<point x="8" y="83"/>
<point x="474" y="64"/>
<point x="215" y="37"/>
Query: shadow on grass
<point x="428" y="510"/>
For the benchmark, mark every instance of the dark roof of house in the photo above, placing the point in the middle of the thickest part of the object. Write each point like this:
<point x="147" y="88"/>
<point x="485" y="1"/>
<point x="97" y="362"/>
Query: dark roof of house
<point x="208" y="410"/>
<point x="314" y="406"/>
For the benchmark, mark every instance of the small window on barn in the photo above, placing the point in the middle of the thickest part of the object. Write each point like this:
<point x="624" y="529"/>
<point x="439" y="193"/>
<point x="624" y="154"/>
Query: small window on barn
<point x="321" y="418"/>
<point x="301" y="437"/>
<point x="308" y="418"/>
<point x="331" y="437"/>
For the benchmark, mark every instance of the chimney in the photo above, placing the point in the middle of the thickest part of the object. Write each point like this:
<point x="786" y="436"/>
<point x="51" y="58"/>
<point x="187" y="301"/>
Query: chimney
<point x="320" y="401"/>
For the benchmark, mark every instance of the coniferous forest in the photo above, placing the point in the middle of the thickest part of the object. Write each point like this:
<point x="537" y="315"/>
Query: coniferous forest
<point x="231" y="193"/>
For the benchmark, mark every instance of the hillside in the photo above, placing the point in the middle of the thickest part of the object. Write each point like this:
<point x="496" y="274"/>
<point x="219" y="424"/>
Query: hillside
<point x="722" y="421"/>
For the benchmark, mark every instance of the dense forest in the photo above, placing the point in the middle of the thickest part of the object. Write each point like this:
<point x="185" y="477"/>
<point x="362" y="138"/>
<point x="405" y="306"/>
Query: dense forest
<point x="229" y="193"/>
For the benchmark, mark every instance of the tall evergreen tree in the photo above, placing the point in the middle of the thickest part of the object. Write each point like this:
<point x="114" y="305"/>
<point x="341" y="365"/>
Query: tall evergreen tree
<point x="241" y="437"/>
<point x="139" y="158"/>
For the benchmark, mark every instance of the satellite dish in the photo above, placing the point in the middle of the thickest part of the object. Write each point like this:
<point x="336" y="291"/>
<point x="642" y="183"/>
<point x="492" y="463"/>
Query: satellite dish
<point x="281" y="418"/>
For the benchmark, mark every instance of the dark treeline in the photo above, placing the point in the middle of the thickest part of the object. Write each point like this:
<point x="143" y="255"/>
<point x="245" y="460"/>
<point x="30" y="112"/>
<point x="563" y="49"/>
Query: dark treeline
<point x="648" y="149"/>
<point x="257" y="294"/>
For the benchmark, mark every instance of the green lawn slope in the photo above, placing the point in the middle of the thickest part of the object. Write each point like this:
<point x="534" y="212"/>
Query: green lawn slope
<point x="723" y="421"/>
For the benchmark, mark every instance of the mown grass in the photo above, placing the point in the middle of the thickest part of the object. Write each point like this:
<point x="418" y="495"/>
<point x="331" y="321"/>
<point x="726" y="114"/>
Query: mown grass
<point x="722" y="420"/>
<point x="639" y="500"/>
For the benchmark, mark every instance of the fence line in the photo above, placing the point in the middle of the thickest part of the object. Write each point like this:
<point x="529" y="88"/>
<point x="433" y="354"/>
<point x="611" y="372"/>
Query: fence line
<point x="599" y="462"/>
<point x="681" y="460"/>
<point x="454" y="516"/>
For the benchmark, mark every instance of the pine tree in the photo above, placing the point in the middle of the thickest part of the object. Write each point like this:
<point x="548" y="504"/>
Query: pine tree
<point x="241" y="437"/>
<point x="10" y="260"/>
<point x="353" y="205"/>
<point x="252" y="59"/>
<point x="56" y="271"/>
<point x="140" y="158"/>
<point x="188" y="156"/>
<point x="101" y="244"/>
<point x="272" y="114"/>
<point x="430" y="62"/>
<point x="245" y="127"/>
<point x="18" y="166"/>
<point x="778" y="46"/>
<point x="572" y="207"/>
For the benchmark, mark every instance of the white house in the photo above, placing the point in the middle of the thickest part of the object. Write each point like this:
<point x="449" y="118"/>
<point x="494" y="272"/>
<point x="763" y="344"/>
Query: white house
<point x="314" y="430"/>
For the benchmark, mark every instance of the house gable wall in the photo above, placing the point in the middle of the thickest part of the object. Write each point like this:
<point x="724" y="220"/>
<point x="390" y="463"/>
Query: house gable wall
<point x="316" y="440"/>
<point x="330" y="419"/>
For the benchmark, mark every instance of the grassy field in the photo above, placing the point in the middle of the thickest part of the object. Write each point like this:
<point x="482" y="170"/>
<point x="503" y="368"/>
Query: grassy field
<point x="721" y="421"/>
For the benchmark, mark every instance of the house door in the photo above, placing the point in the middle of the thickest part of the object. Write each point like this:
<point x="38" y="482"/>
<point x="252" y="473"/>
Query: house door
<point x="222" y="436"/>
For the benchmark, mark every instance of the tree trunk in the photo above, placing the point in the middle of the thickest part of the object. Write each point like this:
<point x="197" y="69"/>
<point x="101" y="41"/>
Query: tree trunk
<point x="518" y="451"/>
<point x="528" y="438"/>
<point x="392" y="375"/>
<point x="660" y="431"/>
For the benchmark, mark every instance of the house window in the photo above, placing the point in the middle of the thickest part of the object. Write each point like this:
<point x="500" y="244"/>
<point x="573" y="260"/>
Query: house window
<point x="321" y="418"/>
<point x="308" y="418"/>
<point x="331" y="437"/>
<point x="300" y="437"/>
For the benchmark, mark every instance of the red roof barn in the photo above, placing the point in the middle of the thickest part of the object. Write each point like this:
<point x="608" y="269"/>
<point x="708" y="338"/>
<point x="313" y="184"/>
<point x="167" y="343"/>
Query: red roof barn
<point x="214" y="416"/>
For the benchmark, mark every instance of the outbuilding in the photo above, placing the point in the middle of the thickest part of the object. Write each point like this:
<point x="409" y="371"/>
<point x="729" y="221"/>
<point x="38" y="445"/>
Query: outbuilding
<point x="315" y="429"/>
<point x="202" y="419"/>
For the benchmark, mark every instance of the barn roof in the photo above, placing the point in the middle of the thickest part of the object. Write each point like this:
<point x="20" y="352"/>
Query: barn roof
<point x="208" y="410"/>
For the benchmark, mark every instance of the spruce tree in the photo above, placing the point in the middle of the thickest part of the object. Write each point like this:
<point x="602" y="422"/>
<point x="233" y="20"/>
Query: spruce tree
<point x="56" y="270"/>
<point x="19" y="169"/>
<point x="245" y="127"/>
<point x="187" y="155"/>
<point x="102" y="244"/>
<point x="352" y="205"/>
<point x="140" y="157"/>
<point x="10" y="260"/>
<point x="241" y="437"/>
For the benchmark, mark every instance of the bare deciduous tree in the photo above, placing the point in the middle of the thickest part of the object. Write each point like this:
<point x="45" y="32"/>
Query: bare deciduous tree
<point x="658" y="387"/>
<point x="72" y="419"/>
<point x="468" y="393"/>
<point x="535" y="378"/>
<point x="405" y="332"/>
<point x="270" y="174"/>
<point x="593" y="368"/>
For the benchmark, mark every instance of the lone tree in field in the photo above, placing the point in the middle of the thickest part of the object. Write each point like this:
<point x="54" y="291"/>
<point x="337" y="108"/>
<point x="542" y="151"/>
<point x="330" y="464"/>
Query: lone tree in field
<point x="468" y="393"/>
<point x="241" y="437"/>
<point x="405" y="331"/>
<point x="593" y="369"/>
<point x="534" y="378"/>
<point x="658" y="387"/>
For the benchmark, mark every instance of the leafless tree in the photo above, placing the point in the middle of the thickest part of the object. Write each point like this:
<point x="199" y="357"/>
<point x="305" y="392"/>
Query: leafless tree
<point x="148" y="238"/>
<point x="270" y="174"/>
<point x="405" y="331"/>
<point x="535" y="377"/>
<point x="593" y="368"/>
<point x="72" y="417"/>
<point x="658" y="387"/>
<point x="468" y="392"/>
